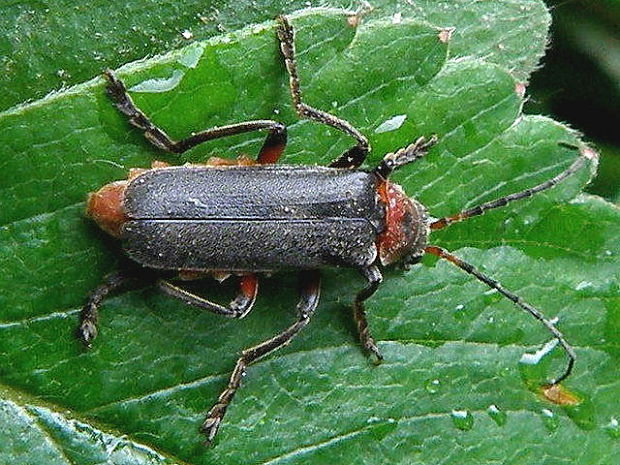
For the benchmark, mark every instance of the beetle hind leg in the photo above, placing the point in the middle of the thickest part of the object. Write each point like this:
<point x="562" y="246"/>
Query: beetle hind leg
<point x="238" y="308"/>
<point x="310" y="291"/>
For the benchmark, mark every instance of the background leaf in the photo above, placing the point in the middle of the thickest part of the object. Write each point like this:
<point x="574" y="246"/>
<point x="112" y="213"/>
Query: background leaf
<point x="38" y="46"/>
<point x="451" y="347"/>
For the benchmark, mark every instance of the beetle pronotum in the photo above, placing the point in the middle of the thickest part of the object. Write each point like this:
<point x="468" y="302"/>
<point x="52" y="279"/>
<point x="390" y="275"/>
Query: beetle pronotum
<point x="248" y="217"/>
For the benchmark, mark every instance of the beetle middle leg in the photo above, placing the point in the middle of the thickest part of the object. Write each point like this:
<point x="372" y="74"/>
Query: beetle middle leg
<point x="353" y="157"/>
<point x="310" y="291"/>
<point x="269" y="153"/>
<point x="238" y="308"/>
<point x="373" y="275"/>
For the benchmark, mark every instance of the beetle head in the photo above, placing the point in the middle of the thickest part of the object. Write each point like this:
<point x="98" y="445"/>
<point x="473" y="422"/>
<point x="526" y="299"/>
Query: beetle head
<point x="406" y="226"/>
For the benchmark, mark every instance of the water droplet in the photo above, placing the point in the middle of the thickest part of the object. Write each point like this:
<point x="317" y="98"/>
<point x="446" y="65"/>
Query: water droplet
<point x="432" y="386"/>
<point x="613" y="428"/>
<point x="497" y="415"/>
<point x="491" y="297"/>
<point x="533" y="366"/>
<point x="549" y="419"/>
<point x="381" y="427"/>
<point x="583" y="285"/>
<point x="462" y="419"/>
<point x="460" y="312"/>
<point x="391" y="124"/>
<point x="159" y="85"/>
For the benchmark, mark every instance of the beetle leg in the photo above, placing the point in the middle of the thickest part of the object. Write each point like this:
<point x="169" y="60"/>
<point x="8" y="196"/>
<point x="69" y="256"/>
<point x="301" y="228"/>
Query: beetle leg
<point x="238" y="308"/>
<point x="89" y="314"/>
<point x="353" y="157"/>
<point x="270" y="152"/>
<point x="310" y="291"/>
<point x="373" y="275"/>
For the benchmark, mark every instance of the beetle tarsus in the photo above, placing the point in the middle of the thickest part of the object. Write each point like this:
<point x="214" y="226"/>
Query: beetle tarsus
<point x="404" y="156"/>
<point x="211" y="425"/>
<point x="87" y="332"/>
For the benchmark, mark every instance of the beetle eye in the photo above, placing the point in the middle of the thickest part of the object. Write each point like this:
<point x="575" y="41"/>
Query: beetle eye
<point x="412" y="260"/>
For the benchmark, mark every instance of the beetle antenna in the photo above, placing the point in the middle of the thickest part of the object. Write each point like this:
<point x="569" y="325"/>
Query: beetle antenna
<point x="403" y="156"/>
<point x="586" y="154"/>
<point x="442" y="253"/>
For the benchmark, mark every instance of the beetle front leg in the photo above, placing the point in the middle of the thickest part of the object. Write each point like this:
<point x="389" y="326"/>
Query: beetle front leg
<point x="353" y="157"/>
<point x="238" y="308"/>
<point x="270" y="152"/>
<point x="310" y="292"/>
<point x="373" y="275"/>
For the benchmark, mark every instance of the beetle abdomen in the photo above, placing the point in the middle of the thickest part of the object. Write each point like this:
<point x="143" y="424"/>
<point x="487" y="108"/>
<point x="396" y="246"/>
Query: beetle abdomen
<point x="256" y="245"/>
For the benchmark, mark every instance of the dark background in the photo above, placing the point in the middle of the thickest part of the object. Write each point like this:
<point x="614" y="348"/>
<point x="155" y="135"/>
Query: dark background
<point x="579" y="81"/>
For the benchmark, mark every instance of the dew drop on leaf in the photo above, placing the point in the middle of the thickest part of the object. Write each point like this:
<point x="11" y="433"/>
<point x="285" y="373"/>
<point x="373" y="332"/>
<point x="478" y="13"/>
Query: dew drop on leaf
<point x="533" y="366"/>
<point x="549" y="419"/>
<point x="497" y="415"/>
<point x="613" y="428"/>
<point x="432" y="386"/>
<point x="462" y="419"/>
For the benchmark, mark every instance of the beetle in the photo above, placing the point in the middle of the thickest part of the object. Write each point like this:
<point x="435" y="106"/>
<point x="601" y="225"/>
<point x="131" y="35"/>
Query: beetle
<point x="249" y="217"/>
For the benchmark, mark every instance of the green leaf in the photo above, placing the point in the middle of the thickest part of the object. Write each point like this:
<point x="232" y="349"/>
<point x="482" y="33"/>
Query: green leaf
<point x="52" y="45"/>
<point x="452" y="348"/>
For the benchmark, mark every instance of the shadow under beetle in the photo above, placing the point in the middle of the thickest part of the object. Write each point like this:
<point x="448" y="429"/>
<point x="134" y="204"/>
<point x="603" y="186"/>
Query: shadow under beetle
<point x="246" y="217"/>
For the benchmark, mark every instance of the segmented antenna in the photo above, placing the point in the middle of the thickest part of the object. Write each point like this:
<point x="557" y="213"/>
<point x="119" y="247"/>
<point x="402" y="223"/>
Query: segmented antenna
<point x="586" y="154"/>
<point x="442" y="253"/>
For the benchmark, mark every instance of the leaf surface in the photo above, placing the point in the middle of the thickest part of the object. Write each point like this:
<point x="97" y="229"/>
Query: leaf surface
<point x="452" y="348"/>
<point x="49" y="46"/>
